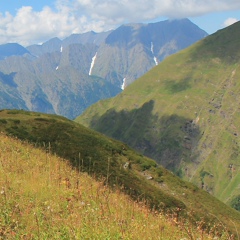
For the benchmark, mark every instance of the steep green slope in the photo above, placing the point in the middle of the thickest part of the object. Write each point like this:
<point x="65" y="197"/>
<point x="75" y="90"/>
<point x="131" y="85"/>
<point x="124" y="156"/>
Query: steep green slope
<point x="119" y="165"/>
<point x="184" y="113"/>
<point x="44" y="197"/>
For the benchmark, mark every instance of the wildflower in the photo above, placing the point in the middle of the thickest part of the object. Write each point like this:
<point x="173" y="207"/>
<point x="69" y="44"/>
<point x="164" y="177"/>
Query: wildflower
<point x="2" y="191"/>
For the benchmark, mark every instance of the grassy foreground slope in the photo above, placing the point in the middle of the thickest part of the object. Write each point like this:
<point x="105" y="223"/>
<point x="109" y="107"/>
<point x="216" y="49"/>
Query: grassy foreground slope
<point x="43" y="197"/>
<point x="114" y="163"/>
<point x="184" y="113"/>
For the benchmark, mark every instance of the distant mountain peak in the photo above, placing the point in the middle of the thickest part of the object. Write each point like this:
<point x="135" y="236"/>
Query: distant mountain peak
<point x="12" y="49"/>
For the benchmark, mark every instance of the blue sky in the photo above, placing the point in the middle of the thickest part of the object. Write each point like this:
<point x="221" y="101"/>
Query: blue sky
<point x="35" y="21"/>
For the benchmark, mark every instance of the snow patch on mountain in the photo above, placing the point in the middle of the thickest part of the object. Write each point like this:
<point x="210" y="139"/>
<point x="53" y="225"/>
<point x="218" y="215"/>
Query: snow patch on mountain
<point x="154" y="58"/>
<point x="152" y="47"/>
<point x="92" y="64"/>
<point x="123" y="84"/>
<point x="61" y="49"/>
<point x="57" y="68"/>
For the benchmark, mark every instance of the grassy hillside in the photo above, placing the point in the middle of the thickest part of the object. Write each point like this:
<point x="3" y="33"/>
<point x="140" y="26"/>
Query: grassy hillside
<point x="43" y="197"/>
<point x="184" y="113"/>
<point x="118" y="166"/>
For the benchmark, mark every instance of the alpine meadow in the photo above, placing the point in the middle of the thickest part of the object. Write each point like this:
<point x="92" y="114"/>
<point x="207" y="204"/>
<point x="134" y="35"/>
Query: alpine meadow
<point x="49" y="168"/>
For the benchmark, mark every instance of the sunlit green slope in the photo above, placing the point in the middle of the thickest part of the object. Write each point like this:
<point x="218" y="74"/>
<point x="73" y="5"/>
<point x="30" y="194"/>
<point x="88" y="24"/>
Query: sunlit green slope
<point x="184" y="113"/>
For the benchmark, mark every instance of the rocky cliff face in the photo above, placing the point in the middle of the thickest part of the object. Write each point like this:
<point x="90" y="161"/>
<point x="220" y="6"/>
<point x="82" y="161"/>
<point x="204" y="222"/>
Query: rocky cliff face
<point x="133" y="49"/>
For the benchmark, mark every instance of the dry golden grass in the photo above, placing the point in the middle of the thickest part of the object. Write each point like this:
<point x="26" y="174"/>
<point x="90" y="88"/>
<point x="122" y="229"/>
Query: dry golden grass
<point x="43" y="197"/>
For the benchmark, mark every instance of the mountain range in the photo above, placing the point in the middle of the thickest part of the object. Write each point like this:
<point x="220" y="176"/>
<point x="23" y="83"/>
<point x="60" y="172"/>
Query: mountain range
<point x="184" y="113"/>
<point x="67" y="76"/>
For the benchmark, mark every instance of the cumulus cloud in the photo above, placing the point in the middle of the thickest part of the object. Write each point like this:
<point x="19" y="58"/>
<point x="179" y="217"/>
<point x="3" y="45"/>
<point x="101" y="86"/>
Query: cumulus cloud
<point x="28" y="26"/>
<point x="77" y="16"/>
<point x="229" y="22"/>
<point x="144" y="9"/>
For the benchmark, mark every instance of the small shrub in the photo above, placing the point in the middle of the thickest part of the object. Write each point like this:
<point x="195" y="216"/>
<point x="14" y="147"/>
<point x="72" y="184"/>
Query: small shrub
<point x="159" y="172"/>
<point x="17" y="121"/>
<point x="235" y="203"/>
<point x="3" y="121"/>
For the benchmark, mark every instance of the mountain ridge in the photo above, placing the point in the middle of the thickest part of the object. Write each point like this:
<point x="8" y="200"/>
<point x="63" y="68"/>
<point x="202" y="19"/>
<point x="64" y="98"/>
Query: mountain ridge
<point x="12" y="49"/>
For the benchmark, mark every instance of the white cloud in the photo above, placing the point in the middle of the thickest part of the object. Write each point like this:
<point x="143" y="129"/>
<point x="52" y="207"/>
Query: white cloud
<point x="229" y="22"/>
<point x="29" y="27"/>
<point x="77" y="16"/>
<point x="145" y="9"/>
